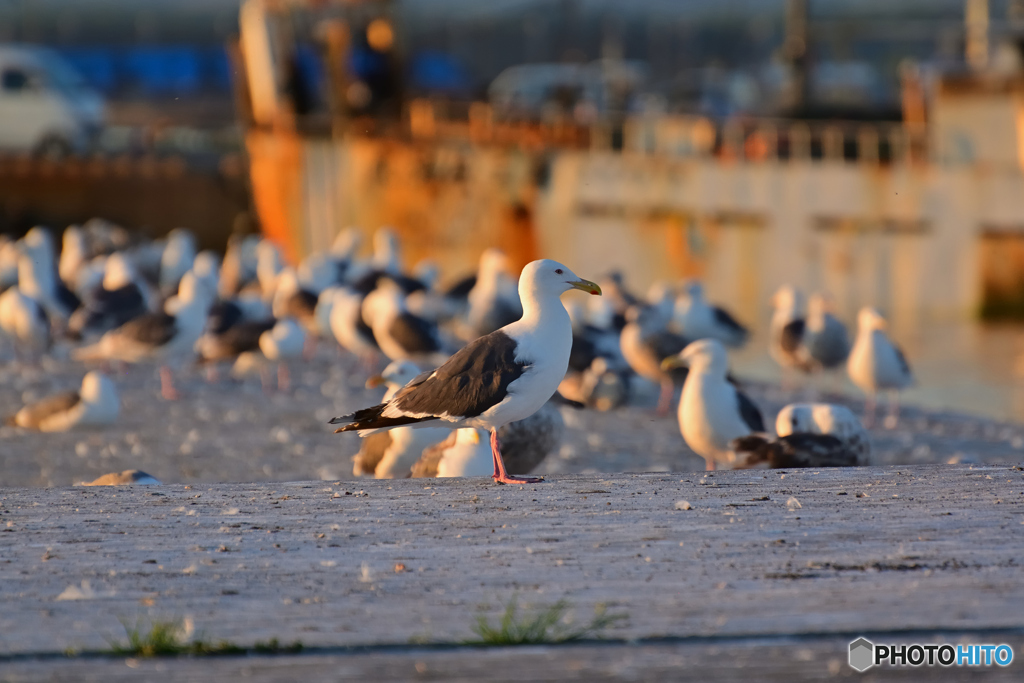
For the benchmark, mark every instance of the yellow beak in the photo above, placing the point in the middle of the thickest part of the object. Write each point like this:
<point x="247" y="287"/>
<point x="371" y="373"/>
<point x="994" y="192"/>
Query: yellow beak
<point x="587" y="286"/>
<point x="673" y="362"/>
<point x="375" y="381"/>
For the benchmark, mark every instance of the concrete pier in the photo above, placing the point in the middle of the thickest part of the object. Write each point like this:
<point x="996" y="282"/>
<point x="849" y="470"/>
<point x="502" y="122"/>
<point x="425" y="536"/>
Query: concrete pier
<point x="758" y="575"/>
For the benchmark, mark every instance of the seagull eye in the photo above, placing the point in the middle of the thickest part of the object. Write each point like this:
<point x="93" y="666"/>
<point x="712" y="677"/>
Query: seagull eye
<point x="558" y="271"/>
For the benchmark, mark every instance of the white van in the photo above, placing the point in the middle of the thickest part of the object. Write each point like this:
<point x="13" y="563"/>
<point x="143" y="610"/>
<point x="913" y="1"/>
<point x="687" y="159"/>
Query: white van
<point x="46" y="107"/>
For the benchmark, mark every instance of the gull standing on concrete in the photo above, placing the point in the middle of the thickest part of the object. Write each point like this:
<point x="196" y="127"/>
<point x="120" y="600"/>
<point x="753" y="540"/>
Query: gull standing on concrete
<point x="497" y="379"/>
<point x="350" y="329"/>
<point x="876" y="364"/>
<point x="166" y="337"/>
<point x="95" y="404"/>
<point x="712" y="412"/>
<point x="697" y="319"/>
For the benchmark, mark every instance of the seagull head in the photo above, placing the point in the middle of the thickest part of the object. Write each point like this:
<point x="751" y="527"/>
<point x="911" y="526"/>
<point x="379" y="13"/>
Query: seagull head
<point x="796" y="418"/>
<point x="395" y="375"/>
<point x="788" y="298"/>
<point x="117" y="272"/>
<point x="870" y="319"/>
<point x="547" y="277"/>
<point x="97" y="388"/>
<point x="705" y="355"/>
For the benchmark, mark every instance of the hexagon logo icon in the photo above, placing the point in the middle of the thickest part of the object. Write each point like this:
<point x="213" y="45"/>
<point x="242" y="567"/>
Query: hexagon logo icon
<point x="862" y="654"/>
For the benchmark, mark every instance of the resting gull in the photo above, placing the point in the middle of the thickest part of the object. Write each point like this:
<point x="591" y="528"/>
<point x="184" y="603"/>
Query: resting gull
<point x="95" y="404"/>
<point x="123" y="478"/>
<point x="497" y="379"/>
<point x="877" y="364"/>
<point x="712" y="411"/>
<point x="282" y="343"/>
<point x="350" y="329"/>
<point x="810" y="435"/>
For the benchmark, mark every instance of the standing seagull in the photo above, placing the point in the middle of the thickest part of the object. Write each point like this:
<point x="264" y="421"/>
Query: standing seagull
<point x="400" y="334"/>
<point x="499" y="378"/>
<point x="786" y="331"/>
<point x="25" y="322"/>
<point x="713" y="412"/>
<point x="697" y="319"/>
<point x="825" y="339"/>
<point x="877" y="364"/>
<point x="646" y="343"/>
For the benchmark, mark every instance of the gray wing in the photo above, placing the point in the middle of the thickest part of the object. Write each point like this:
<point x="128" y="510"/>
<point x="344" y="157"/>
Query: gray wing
<point x="152" y="329"/>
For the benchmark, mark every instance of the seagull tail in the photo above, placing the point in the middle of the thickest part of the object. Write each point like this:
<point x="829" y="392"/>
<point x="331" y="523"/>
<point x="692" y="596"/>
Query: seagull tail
<point x="369" y="420"/>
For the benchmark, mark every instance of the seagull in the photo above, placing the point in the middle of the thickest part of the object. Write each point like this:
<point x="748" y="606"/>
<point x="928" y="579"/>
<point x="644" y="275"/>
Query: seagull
<point x="786" y="331"/>
<point x="123" y="478"/>
<point x="620" y="298"/>
<point x="876" y="364"/>
<point x="465" y="453"/>
<point x="493" y="301"/>
<point x="524" y="445"/>
<point x="810" y="435"/>
<point x="645" y="343"/>
<point x="825" y="340"/>
<point x="497" y="379"/>
<point x="350" y="329"/>
<point x="712" y="411"/>
<point x="120" y="297"/>
<point x="230" y="343"/>
<point x="37" y="276"/>
<point x="285" y="341"/>
<point x="697" y="319"/>
<point x="269" y="264"/>
<point x="74" y="254"/>
<point x="291" y="300"/>
<point x="95" y="404"/>
<point x="157" y="335"/>
<point x="239" y="266"/>
<point x="25" y="322"/>
<point x="386" y="251"/>
<point x="400" y="334"/>
<point x="391" y="454"/>
<point x="177" y="258"/>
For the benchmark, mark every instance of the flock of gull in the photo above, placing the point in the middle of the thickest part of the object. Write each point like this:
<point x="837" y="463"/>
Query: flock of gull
<point x="474" y="371"/>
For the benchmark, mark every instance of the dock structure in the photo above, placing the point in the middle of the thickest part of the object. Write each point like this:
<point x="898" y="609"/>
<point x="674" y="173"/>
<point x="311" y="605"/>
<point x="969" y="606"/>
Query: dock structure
<point x="717" y="576"/>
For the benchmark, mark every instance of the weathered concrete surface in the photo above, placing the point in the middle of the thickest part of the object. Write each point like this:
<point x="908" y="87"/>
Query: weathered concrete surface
<point x="802" y="554"/>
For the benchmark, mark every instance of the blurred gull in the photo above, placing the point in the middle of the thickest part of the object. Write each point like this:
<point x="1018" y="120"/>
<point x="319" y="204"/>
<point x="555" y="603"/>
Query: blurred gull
<point x="95" y="404"/>
<point x="697" y="319"/>
<point x="876" y="364"/>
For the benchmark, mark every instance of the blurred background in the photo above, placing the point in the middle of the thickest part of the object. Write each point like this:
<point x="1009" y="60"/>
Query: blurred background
<point x="870" y="149"/>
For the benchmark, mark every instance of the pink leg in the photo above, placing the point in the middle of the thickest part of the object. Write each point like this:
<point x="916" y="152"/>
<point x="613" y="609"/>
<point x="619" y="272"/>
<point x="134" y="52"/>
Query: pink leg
<point x="265" y="379"/>
<point x="284" y="378"/>
<point x="665" y="397"/>
<point x="309" y="347"/>
<point x="869" y="411"/>
<point x="709" y="465"/>
<point x="167" y="389"/>
<point x="500" y="475"/>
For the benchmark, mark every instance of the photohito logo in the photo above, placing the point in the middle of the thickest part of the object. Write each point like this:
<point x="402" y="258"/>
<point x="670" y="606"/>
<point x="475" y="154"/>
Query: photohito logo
<point x="864" y="654"/>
